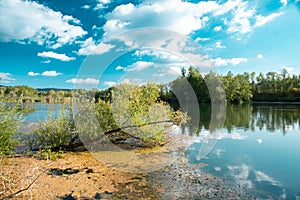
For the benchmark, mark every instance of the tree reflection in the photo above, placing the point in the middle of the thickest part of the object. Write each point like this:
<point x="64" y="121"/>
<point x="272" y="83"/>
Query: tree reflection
<point x="253" y="117"/>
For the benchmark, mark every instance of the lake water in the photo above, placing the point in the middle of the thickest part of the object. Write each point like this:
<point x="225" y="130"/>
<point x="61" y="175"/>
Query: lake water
<point x="258" y="148"/>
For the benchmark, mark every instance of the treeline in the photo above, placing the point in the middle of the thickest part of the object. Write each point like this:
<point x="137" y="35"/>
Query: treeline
<point x="31" y="95"/>
<point x="240" y="88"/>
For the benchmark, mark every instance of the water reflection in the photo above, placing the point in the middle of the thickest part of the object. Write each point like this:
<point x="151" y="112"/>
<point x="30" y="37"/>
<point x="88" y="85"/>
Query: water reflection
<point x="251" y="117"/>
<point x="258" y="149"/>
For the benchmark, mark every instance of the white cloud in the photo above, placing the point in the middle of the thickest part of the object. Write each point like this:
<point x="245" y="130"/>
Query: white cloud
<point x="46" y="61"/>
<point x="226" y="7"/>
<point x="90" y="48"/>
<point x="289" y="69"/>
<point x="101" y="4"/>
<point x="182" y="17"/>
<point x="29" y="21"/>
<point x="6" y="77"/>
<point x="201" y="39"/>
<point x="259" y="141"/>
<point x="261" y="20"/>
<point x="51" y="73"/>
<point x="32" y="74"/>
<point x="219" y="45"/>
<point x="284" y="2"/>
<point x="133" y="81"/>
<point x="51" y="54"/>
<point x="217" y="28"/>
<point x="86" y="81"/>
<point x="104" y="1"/>
<point x="245" y="17"/>
<point x="86" y="7"/>
<point x="233" y="61"/>
<point x="110" y="83"/>
<point x="241" y="20"/>
<point x="138" y="66"/>
<point x="119" y="67"/>
<point x="259" y="56"/>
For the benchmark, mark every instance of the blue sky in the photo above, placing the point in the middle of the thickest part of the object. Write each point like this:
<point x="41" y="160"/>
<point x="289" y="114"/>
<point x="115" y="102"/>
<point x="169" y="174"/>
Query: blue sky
<point x="47" y="43"/>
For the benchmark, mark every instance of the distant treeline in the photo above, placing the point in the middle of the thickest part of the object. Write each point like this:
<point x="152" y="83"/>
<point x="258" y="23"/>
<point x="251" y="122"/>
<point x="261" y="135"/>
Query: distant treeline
<point x="240" y="88"/>
<point x="31" y="95"/>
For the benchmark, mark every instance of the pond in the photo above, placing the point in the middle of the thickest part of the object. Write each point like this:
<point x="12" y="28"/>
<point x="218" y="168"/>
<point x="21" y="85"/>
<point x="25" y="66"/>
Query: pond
<point x="258" y="147"/>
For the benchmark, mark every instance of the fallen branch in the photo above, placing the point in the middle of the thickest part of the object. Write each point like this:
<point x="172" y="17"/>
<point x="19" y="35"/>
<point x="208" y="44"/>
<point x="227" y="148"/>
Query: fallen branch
<point x="76" y="142"/>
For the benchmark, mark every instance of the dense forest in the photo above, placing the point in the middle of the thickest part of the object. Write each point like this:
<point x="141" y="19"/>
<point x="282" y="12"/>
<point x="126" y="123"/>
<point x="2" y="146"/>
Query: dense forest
<point x="240" y="88"/>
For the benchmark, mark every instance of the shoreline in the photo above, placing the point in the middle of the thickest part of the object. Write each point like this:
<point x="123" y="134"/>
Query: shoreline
<point x="275" y="102"/>
<point x="79" y="175"/>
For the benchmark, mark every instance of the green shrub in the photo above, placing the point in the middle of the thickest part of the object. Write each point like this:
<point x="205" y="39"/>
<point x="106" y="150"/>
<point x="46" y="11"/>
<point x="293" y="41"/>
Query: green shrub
<point x="54" y="133"/>
<point x="10" y="121"/>
<point x="48" y="154"/>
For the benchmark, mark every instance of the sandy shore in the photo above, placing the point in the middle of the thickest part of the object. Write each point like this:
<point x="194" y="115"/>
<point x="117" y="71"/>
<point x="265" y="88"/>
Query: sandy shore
<point x="79" y="175"/>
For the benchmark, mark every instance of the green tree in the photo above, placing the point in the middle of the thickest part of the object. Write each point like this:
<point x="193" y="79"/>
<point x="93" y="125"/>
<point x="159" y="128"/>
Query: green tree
<point x="133" y="112"/>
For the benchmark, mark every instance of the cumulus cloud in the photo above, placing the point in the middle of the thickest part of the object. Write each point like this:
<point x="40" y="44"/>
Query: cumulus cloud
<point x="201" y="39"/>
<point x="51" y="73"/>
<point x="182" y="17"/>
<point x="217" y="28"/>
<point x="32" y="73"/>
<point x="119" y="67"/>
<point x="6" y="77"/>
<point x="86" y="7"/>
<point x="87" y="81"/>
<point x="90" y="48"/>
<point x="219" y="45"/>
<point x="101" y="4"/>
<point x="110" y="83"/>
<point x="45" y="26"/>
<point x="138" y="66"/>
<point x="51" y="54"/>
<point x="233" y="61"/>
<point x="259" y="56"/>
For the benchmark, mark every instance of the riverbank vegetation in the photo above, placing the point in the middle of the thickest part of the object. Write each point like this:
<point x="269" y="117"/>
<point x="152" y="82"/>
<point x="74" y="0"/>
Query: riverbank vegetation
<point x="133" y="112"/>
